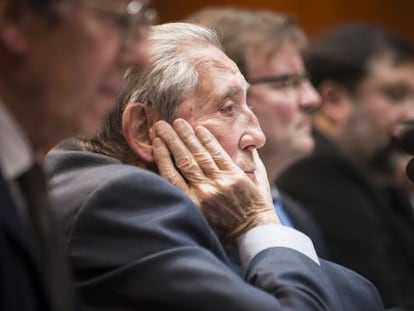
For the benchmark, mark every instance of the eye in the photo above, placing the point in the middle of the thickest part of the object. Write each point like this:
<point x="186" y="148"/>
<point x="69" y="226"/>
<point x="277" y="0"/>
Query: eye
<point x="396" y="93"/>
<point x="284" y="82"/>
<point x="228" y="107"/>
<point x="122" y="21"/>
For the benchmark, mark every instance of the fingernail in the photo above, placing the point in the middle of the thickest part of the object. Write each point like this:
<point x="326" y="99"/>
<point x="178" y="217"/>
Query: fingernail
<point x="201" y="130"/>
<point x="151" y="133"/>
<point x="179" y="124"/>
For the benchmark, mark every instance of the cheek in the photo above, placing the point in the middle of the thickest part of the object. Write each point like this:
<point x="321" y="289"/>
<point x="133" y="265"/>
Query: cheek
<point x="225" y="137"/>
<point x="384" y="117"/>
<point x="286" y="113"/>
<point x="278" y="117"/>
<point x="100" y="52"/>
<point x="91" y="62"/>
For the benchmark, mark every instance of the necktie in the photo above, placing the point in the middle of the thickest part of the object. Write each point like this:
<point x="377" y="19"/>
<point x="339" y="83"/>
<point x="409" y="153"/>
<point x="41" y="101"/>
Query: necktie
<point x="281" y="213"/>
<point x="34" y="189"/>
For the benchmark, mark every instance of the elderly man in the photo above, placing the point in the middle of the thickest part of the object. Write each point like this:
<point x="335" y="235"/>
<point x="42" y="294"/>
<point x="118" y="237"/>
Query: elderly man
<point x="61" y="65"/>
<point x="136" y="242"/>
<point x="267" y="47"/>
<point x="365" y="76"/>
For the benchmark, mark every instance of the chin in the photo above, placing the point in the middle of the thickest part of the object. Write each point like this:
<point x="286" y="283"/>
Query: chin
<point x="90" y="128"/>
<point x="302" y="149"/>
<point x="93" y="121"/>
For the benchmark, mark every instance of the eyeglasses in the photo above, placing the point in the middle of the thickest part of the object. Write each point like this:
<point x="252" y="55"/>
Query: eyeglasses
<point x="129" y="18"/>
<point x="289" y="82"/>
<point x="135" y="14"/>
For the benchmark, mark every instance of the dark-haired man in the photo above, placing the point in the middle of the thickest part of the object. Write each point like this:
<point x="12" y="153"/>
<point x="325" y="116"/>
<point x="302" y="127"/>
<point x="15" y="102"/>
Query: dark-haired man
<point x="365" y="76"/>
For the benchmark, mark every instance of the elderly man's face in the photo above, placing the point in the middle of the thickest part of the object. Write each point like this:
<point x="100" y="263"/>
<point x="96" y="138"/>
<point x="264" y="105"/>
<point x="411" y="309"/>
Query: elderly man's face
<point x="218" y="102"/>
<point x="76" y="66"/>
<point x="283" y="103"/>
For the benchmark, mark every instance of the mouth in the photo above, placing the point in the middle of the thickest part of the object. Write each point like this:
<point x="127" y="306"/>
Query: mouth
<point x="305" y="125"/>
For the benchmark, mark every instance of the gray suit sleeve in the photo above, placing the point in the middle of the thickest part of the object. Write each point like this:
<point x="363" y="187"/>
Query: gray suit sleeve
<point x="137" y="243"/>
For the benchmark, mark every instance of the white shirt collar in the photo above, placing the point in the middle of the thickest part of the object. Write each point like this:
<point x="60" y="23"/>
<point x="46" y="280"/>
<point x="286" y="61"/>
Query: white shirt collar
<point x="16" y="155"/>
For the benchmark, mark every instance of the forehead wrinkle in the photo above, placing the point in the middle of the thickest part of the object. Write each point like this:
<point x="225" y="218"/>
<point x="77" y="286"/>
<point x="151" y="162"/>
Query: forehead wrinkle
<point x="206" y="62"/>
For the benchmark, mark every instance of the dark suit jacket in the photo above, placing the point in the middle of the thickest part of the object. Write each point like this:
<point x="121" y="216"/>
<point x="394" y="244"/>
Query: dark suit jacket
<point x="355" y="219"/>
<point x="22" y="286"/>
<point x="304" y="222"/>
<point x="136" y="242"/>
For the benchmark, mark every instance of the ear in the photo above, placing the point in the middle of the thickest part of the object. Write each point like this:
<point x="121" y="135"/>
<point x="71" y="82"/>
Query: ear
<point x="336" y="102"/>
<point x="13" y="22"/>
<point x="136" y="122"/>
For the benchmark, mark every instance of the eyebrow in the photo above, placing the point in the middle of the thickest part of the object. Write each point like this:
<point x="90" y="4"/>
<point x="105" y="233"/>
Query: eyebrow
<point x="232" y="92"/>
<point x="278" y="78"/>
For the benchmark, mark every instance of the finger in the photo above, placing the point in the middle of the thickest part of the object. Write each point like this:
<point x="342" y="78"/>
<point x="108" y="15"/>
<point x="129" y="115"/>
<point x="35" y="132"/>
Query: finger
<point x="192" y="142"/>
<point x="166" y="166"/>
<point x="219" y="155"/>
<point x="262" y="178"/>
<point x="184" y="160"/>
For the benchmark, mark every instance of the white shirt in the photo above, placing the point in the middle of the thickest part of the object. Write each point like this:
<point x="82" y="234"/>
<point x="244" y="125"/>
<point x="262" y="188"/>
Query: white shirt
<point x="16" y="156"/>
<point x="267" y="236"/>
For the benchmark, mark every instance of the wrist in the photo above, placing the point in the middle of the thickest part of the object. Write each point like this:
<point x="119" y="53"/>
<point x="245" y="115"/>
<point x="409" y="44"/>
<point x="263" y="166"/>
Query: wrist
<point x="268" y="217"/>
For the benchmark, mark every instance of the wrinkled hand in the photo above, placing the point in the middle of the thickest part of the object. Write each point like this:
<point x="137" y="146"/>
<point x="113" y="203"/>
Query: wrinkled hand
<point x="231" y="202"/>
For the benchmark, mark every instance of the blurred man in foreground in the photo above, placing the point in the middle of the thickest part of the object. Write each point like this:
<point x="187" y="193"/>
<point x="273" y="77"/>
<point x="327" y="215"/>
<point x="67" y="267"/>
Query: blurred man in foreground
<point x="61" y="66"/>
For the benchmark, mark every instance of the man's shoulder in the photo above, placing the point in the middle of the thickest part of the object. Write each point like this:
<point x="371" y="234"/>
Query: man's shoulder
<point x="327" y="167"/>
<point x="86" y="185"/>
<point x="69" y="165"/>
<point x="69" y="157"/>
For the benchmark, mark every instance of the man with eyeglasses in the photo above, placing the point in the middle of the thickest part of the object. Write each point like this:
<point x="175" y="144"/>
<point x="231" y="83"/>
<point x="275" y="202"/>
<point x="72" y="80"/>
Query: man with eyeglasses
<point x="61" y="66"/>
<point x="267" y="47"/>
<point x="365" y="76"/>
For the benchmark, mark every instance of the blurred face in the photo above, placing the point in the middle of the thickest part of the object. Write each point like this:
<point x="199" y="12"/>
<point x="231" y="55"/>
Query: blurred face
<point x="282" y="99"/>
<point x="76" y="67"/>
<point x="218" y="102"/>
<point x="384" y="106"/>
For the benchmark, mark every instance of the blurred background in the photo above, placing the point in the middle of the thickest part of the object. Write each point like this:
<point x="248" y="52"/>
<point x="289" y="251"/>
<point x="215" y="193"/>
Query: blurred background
<point x="315" y="16"/>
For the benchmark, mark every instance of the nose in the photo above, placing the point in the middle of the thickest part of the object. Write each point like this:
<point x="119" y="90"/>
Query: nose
<point x="253" y="136"/>
<point x="407" y="112"/>
<point x="309" y="97"/>
<point x="405" y="118"/>
<point x="136" y="52"/>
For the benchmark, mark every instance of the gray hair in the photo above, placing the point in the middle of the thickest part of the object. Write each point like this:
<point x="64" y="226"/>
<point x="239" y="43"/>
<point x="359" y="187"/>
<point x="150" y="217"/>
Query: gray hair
<point x="171" y="74"/>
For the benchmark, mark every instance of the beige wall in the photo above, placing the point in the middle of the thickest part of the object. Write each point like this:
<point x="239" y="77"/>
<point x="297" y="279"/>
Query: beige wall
<point x="314" y="15"/>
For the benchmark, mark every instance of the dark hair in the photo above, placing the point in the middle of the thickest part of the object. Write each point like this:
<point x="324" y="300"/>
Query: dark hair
<point x="345" y="53"/>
